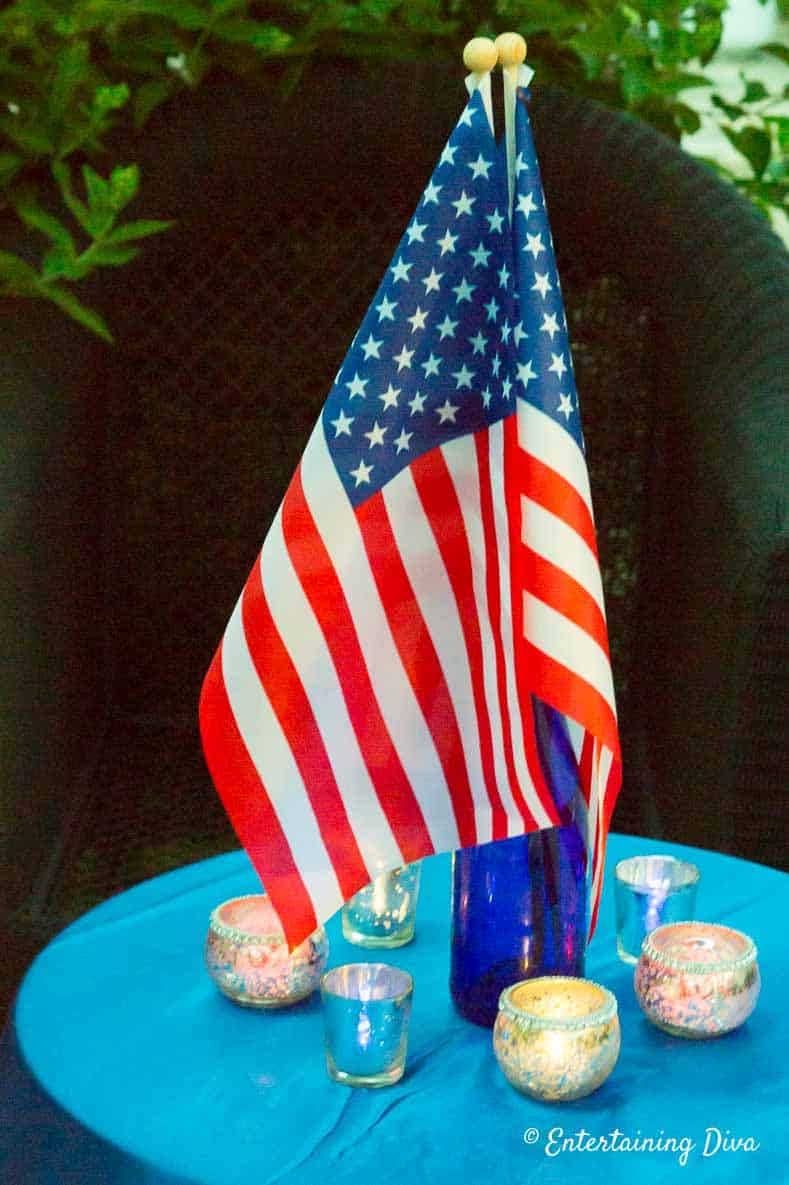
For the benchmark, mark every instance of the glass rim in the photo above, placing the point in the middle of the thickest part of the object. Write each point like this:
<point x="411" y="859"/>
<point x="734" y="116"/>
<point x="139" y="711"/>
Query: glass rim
<point x="676" y="963"/>
<point x="606" y="1011"/>
<point x="692" y="870"/>
<point x="392" y="998"/>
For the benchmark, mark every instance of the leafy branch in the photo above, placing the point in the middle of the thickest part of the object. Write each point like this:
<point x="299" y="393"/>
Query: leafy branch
<point x="72" y="71"/>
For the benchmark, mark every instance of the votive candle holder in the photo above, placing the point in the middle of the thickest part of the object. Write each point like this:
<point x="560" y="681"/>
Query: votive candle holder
<point x="366" y="1010"/>
<point x="697" y="979"/>
<point x="383" y="913"/>
<point x="556" y="1038"/>
<point x="651" y="891"/>
<point x="247" y="955"/>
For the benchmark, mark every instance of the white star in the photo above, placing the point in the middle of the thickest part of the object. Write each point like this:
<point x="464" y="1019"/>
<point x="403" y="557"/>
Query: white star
<point x="342" y="424"/>
<point x="375" y="435"/>
<point x="418" y="319"/>
<point x="549" y="324"/>
<point x="479" y="343"/>
<point x="565" y="406"/>
<point x="541" y="284"/>
<point x="506" y="387"/>
<point x="400" y="270"/>
<point x="558" y="365"/>
<point x="446" y="412"/>
<point x="492" y="308"/>
<point x="506" y="330"/>
<point x="431" y="366"/>
<point x="402" y="441"/>
<point x="526" y="373"/>
<point x="487" y="395"/>
<point x="504" y="276"/>
<point x="466" y="117"/>
<point x="526" y="204"/>
<point x="463" y="377"/>
<point x="431" y="193"/>
<point x="417" y="403"/>
<point x="480" y="167"/>
<point x="389" y="397"/>
<point x="520" y="164"/>
<point x="447" y="328"/>
<point x="534" y="244"/>
<point x="403" y="359"/>
<point x="480" y="256"/>
<point x="496" y="366"/>
<point x="519" y="333"/>
<point x="356" y="385"/>
<point x="448" y="155"/>
<point x="463" y="290"/>
<point x="362" y="474"/>
<point x="386" y="310"/>
<point x="494" y="221"/>
<point x="416" y="232"/>
<point x="432" y="281"/>
<point x="371" y="348"/>
<point x="447" y="243"/>
<point x="463" y="204"/>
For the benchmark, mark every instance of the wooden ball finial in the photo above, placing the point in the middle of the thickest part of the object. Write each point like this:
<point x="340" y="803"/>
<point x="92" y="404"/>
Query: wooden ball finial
<point x="480" y="55"/>
<point x="511" y="48"/>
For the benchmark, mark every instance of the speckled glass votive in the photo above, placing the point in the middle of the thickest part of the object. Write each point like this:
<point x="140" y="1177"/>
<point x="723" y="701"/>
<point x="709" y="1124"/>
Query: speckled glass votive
<point x="247" y="956"/>
<point x="366" y="1009"/>
<point x="697" y="979"/>
<point x="651" y="891"/>
<point x="383" y="913"/>
<point x="556" y="1038"/>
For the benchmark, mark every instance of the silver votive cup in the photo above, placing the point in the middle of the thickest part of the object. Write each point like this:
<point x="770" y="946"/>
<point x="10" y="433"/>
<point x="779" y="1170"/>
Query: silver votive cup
<point x="651" y="891"/>
<point x="383" y="913"/>
<point x="366" y="1009"/>
<point x="247" y="956"/>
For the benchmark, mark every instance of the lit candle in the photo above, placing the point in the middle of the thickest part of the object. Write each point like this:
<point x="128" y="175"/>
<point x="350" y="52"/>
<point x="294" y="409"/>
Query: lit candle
<point x="247" y="956"/>
<point x="555" y="1037"/>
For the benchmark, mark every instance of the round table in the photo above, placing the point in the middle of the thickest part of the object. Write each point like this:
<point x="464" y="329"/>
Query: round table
<point x="123" y="1065"/>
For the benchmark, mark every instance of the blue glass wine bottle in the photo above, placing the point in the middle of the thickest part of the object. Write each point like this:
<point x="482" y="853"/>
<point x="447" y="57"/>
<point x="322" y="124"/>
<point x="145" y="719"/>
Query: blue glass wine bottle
<point x="519" y="906"/>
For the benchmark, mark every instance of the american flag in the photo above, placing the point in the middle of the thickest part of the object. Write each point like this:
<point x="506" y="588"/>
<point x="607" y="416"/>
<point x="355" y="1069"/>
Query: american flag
<point x="428" y="595"/>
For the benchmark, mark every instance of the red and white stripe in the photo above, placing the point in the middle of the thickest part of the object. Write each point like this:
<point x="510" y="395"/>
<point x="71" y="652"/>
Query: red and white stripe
<point x="369" y="703"/>
<point x="564" y="628"/>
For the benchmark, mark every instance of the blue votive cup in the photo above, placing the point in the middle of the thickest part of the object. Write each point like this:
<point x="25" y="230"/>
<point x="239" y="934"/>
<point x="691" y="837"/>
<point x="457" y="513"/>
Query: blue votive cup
<point x="651" y="891"/>
<point x="366" y="1009"/>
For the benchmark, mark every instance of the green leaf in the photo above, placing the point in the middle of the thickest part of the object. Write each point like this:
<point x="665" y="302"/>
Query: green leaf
<point x="110" y="98"/>
<point x="780" y="124"/>
<point x="48" y="225"/>
<point x="59" y="263"/>
<point x="686" y="117"/>
<point x="67" y="301"/>
<point x="754" y="90"/>
<point x="777" y="50"/>
<point x="20" y="276"/>
<point x="97" y="189"/>
<point x="107" y="254"/>
<point x="62" y="174"/>
<point x="754" y="144"/>
<point x="149" y="96"/>
<point x="137" y="230"/>
<point x="729" y="109"/>
<point x="9" y="167"/>
<point x="124" y="183"/>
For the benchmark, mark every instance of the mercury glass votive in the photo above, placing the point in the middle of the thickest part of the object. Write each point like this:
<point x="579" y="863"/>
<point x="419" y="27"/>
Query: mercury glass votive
<point x="366" y="1010"/>
<point x="651" y="891"/>
<point x="383" y="913"/>
<point x="556" y="1038"/>
<point x="247" y="956"/>
<point x="697" y="979"/>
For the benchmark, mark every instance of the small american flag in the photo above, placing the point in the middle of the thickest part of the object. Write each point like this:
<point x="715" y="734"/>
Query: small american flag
<point x="428" y="595"/>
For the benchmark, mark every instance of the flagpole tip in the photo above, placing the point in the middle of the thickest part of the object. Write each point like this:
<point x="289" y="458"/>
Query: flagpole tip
<point x="511" y="49"/>
<point x="480" y="55"/>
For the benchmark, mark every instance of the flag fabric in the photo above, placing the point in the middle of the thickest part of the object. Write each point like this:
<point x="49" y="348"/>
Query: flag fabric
<point x="429" y="593"/>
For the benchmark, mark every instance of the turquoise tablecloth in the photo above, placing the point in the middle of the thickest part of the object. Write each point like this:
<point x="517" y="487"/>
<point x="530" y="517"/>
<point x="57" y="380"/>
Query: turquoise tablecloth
<point x="123" y="1065"/>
